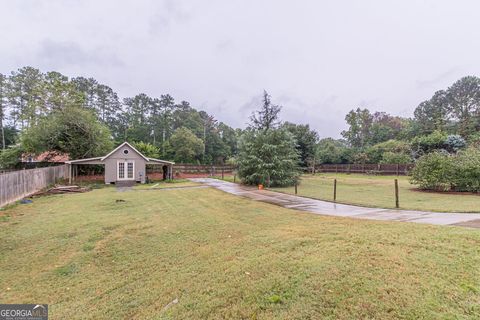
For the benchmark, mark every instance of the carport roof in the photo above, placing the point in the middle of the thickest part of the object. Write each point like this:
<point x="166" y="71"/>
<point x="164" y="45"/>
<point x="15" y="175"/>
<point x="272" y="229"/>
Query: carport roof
<point x="84" y="160"/>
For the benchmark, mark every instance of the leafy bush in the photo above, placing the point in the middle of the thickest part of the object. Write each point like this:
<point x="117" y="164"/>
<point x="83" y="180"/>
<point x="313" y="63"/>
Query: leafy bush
<point x="466" y="175"/>
<point x="444" y="172"/>
<point x="434" y="171"/>
<point x="10" y="157"/>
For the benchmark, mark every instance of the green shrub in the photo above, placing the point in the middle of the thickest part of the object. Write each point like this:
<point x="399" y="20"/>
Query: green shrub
<point x="466" y="175"/>
<point x="434" y="171"/>
<point x="444" y="172"/>
<point x="10" y="157"/>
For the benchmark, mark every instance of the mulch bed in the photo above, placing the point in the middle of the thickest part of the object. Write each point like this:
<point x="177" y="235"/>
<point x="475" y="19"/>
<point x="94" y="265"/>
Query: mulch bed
<point x="460" y="193"/>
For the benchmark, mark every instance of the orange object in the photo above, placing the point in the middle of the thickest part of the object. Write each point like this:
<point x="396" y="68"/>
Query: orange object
<point x="260" y="187"/>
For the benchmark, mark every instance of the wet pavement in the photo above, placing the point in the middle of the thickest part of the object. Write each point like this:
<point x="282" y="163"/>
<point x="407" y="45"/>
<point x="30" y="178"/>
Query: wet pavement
<point x="341" y="210"/>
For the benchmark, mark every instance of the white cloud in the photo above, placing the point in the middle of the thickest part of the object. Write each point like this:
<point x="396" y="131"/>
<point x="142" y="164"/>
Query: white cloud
<point x="318" y="59"/>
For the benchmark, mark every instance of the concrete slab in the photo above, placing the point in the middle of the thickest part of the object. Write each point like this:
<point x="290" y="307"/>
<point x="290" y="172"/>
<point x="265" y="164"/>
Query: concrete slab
<point x="471" y="220"/>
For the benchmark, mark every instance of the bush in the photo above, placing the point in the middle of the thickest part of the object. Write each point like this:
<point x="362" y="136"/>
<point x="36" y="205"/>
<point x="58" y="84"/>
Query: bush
<point x="434" y="171"/>
<point x="10" y="157"/>
<point x="467" y="170"/>
<point x="443" y="172"/>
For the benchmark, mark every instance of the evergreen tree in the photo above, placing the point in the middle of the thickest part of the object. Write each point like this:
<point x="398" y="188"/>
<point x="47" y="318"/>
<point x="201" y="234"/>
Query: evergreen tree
<point x="25" y="96"/>
<point x="267" y="154"/>
<point x="267" y="117"/>
<point x="268" y="157"/>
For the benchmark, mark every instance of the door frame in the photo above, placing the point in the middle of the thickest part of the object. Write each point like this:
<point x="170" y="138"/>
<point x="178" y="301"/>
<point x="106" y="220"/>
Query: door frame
<point x="125" y="170"/>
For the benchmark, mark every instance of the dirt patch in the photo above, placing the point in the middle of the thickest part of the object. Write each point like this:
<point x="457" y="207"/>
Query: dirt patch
<point x="469" y="224"/>
<point x="60" y="190"/>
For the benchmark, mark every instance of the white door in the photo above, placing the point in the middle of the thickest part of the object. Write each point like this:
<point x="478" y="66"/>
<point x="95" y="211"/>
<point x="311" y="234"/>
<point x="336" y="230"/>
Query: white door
<point x="126" y="170"/>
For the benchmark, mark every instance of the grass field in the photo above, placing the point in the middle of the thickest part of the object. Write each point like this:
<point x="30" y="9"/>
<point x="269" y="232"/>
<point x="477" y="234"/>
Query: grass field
<point x="379" y="191"/>
<point x="176" y="183"/>
<point x="224" y="257"/>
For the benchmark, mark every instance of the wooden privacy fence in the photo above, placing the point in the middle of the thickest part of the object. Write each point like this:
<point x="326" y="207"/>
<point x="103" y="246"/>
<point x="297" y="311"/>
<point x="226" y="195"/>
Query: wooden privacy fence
<point x="19" y="184"/>
<point x="387" y="169"/>
<point x="195" y="169"/>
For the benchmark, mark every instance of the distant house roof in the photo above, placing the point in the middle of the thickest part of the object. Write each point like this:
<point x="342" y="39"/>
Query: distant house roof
<point x="47" y="156"/>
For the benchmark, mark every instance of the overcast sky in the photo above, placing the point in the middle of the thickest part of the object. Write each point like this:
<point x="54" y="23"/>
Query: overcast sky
<point x="318" y="59"/>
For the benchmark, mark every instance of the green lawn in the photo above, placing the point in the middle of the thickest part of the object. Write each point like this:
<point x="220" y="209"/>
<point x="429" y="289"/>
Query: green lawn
<point x="225" y="257"/>
<point x="176" y="183"/>
<point x="379" y="191"/>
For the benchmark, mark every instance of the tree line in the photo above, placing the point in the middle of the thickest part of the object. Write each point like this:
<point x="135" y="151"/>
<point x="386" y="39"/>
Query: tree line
<point x="48" y="112"/>
<point x="448" y="122"/>
<point x="84" y="118"/>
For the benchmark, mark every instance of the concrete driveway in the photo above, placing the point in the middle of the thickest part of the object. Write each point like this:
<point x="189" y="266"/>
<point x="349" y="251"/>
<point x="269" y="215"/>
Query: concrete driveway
<point x="342" y="210"/>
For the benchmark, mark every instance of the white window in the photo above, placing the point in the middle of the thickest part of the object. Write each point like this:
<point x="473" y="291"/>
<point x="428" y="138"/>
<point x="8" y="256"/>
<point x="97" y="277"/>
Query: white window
<point x="130" y="170"/>
<point x="121" y="170"/>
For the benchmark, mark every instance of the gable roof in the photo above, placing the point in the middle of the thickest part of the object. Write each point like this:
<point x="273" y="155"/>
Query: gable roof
<point x="122" y="145"/>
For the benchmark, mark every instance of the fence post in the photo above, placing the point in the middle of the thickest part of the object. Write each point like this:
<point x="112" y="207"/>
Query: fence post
<point x="296" y="187"/>
<point x="222" y="171"/>
<point x="397" y="203"/>
<point x="234" y="178"/>
<point x="335" y="190"/>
